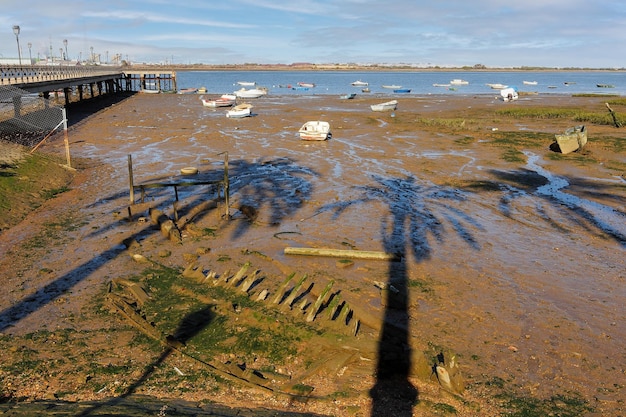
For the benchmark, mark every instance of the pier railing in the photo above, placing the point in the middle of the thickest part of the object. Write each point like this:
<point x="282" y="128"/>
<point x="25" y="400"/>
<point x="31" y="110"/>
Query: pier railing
<point x="25" y="74"/>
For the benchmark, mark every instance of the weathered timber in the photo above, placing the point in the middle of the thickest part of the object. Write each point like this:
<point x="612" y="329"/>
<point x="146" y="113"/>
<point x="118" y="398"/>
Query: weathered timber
<point x="318" y="303"/>
<point x="281" y="291"/>
<point x="294" y="292"/>
<point x="341" y="253"/>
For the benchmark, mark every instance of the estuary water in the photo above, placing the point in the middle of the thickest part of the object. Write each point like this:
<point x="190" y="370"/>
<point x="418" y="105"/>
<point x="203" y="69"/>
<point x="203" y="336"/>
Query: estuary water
<point x="419" y="82"/>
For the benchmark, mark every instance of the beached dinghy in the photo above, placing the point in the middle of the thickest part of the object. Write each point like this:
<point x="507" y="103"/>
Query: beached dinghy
<point x="315" y="130"/>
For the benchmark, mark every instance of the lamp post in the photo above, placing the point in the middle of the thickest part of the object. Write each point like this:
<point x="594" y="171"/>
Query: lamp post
<point x="65" y="44"/>
<point x="16" y="30"/>
<point x="30" y="55"/>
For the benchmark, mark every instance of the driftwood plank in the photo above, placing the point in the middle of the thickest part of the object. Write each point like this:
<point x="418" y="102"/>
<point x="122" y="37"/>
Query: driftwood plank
<point x="341" y="253"/>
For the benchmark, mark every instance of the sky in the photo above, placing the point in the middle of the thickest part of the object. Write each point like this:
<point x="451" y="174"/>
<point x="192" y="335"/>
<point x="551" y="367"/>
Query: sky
<point x="446" y="33"/>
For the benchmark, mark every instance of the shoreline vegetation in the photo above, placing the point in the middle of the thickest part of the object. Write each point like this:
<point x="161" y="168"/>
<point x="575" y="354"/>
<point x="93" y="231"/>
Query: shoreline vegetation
<point x="356" y="67"/>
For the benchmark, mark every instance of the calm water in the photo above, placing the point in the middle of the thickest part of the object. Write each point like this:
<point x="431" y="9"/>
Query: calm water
<point x="339" y="82"/>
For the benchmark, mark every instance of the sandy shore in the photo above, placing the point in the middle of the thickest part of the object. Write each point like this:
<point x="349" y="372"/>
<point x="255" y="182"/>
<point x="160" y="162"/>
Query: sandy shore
<point x="514" y="264"/>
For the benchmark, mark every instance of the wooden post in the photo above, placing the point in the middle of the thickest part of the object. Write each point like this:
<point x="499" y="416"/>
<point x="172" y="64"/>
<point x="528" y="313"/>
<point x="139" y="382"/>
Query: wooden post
<point x="615" y="122"/>
<point x="65" y="138"/>
<point x="130" y="176"/>
<point x="226" y="186"/>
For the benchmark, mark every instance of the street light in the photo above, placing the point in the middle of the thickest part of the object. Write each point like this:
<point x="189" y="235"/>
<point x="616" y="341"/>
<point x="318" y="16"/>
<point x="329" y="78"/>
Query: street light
<point x="30" y="56"/>
<point x="65" y="44"/>
<point x="16" y="30"/>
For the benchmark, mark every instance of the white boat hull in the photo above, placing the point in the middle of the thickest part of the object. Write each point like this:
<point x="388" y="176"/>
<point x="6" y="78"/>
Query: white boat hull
<point x="390" y="105"/>
<point x="315" y="130"/>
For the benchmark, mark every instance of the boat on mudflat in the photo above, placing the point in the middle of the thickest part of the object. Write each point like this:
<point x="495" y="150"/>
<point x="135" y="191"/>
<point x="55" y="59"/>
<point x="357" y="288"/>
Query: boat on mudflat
<point x="251" y="93"/>
<point x="315" y="130"/>
<point x="389" y="105"/>
<point x="347" y="96"/>
<point x="239" y="111"/>
<point x="572" y="139"/>
<point x="225" y="100"/>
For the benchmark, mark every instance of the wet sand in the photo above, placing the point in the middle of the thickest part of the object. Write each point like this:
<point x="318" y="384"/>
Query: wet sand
<point x="517" y="266"/>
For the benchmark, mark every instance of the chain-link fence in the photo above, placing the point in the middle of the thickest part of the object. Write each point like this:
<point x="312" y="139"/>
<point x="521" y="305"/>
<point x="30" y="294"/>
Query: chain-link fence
<point x="28" y="118"/>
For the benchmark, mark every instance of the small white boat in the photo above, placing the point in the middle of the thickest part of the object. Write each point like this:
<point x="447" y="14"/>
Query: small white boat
<point x="246" y="83"/>
<point x="306" y="85"/>
<point x="251" y="93"/>
<point x="225" y="100"/>
<point x="348" y="96"/>
<point x="392" y="87"/>
<point x="529" y="82"/>
<point x="360" y="83"/>
<point x="150" y="91"/>
<point x="239" y="111"/>
<point x="498" y="86"/>
<point x="188" y="91"/>
<point x="315" y="130"/>
<point x="458" y="81"/>
<point x="509" y="94"/>
<point x="441" y="85"/>
<point x="389" y="105"/>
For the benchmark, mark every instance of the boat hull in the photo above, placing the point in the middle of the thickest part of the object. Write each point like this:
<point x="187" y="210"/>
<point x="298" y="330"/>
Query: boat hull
<point x="388" y="106"/>
<point x="315" y="130"/>
<point x="572" y="140"/>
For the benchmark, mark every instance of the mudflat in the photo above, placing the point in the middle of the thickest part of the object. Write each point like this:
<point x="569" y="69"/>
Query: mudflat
<point x="508" y="255"/>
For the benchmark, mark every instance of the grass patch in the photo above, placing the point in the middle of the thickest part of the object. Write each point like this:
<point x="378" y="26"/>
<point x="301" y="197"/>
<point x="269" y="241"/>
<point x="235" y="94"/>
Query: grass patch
<point x="574" y="114"/>
<point x="214" y="320"/>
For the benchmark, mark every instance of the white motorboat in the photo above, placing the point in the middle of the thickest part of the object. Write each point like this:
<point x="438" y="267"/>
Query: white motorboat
<point x="458" y="81"/>
<point x="251" y="93"/>
<point x="360" y="83"/>
<point x="315" y="130"/>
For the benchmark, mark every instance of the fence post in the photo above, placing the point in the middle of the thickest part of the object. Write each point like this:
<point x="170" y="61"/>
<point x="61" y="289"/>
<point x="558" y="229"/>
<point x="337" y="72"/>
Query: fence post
<point x="66" y="138"/>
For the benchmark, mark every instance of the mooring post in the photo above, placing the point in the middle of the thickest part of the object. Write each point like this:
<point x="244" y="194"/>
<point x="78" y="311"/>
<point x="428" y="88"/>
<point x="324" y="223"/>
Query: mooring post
<point x="226" y="185"/>
<point x="130" y="179"/>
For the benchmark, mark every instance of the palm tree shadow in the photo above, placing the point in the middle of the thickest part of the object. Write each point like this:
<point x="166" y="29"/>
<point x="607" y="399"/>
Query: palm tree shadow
<point x="405" y="232"/>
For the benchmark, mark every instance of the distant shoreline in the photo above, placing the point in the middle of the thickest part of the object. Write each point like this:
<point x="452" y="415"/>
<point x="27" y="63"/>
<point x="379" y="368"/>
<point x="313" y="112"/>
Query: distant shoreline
<point x="363" y="68"/>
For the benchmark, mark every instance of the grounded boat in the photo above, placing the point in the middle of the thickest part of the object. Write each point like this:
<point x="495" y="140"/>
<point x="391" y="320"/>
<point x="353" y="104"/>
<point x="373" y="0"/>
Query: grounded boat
<point x="572" y="139"/>
<point x="251" y="93"/>
<point x="402" y="90"/>
<point x="389" y="105"/>
<point x="239" y="111"/>
<point x="188" y="91"/>
<point x="348" y="96"/>
<point x="509" y="94"/>
<point x="458" y="81"/>
<point x="225" y="100"/>
<point x="360" y="83"/>
<point x="150" y="91"/>
<point x="202" y="90"/>
<point x="315" y="130"/>
<point x="392" y="87"/>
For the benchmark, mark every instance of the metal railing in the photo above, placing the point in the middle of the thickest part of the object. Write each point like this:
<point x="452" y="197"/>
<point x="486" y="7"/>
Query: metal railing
<point x="24" y="74"/>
